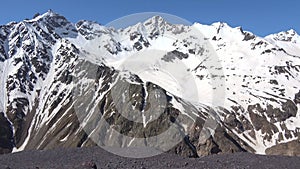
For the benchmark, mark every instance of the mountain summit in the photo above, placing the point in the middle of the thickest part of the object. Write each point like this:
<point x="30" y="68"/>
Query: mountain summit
<point x="84" y="84"/>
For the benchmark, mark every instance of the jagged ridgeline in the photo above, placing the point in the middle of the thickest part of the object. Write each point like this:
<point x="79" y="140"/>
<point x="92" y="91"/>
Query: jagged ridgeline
<point x="42" y="61"/>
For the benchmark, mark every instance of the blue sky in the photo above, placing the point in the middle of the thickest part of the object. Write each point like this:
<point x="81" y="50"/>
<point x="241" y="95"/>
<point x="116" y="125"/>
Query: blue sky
<point x="262" y="17"/>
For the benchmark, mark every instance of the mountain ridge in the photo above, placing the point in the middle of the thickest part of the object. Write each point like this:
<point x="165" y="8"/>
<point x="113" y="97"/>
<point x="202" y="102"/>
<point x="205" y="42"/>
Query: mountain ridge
<point x="42" y="58"/>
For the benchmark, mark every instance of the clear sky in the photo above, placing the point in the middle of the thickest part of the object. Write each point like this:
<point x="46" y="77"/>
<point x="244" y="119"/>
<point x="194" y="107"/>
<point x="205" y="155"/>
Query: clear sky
<point x="261" y="17"/>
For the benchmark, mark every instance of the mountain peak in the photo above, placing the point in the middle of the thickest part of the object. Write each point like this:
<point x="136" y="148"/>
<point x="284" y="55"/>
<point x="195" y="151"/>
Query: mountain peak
<point x="292" y="32"/>
<point x="288" y="36"/>
<point x="221" y="25"/>
<point x="49" y="14"/>
<point x="155" y="20"/>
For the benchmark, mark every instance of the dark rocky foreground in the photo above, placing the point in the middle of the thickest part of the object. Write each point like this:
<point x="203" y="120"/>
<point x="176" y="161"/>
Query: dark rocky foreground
<point x="95" y="157"/>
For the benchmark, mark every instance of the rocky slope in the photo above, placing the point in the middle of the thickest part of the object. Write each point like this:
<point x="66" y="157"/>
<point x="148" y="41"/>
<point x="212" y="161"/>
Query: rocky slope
<point x="83" y="84"/>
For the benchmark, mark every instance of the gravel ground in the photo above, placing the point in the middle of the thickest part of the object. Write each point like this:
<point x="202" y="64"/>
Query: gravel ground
<point x="95" y="157"/>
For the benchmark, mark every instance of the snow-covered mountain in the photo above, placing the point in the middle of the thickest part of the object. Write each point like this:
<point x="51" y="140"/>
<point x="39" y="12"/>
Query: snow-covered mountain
<point x="223" y="89"/>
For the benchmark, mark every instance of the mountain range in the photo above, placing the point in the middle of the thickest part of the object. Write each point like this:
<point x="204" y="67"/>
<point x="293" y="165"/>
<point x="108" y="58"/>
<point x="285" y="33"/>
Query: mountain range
<point x="192" y="90"/>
